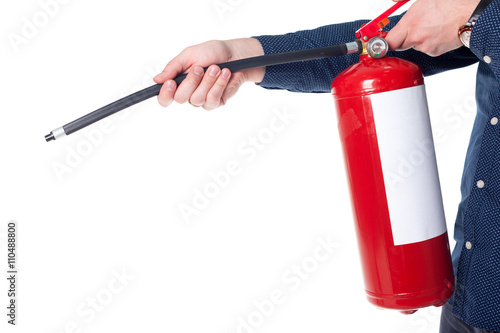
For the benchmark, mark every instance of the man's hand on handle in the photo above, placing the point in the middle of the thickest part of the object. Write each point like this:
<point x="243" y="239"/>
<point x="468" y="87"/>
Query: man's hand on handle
<point x="431" y="26"/>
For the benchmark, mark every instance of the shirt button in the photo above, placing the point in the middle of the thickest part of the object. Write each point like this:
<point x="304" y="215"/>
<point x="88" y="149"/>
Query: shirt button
<point x="480" y="183"/>
<point x="468" y="245"/>
<point x="494" y="121"/>
<point x="487" y="59"/>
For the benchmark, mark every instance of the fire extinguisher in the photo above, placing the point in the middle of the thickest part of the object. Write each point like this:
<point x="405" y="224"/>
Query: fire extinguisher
<point x="386" y="136"/>
<point x="391" y="166"/>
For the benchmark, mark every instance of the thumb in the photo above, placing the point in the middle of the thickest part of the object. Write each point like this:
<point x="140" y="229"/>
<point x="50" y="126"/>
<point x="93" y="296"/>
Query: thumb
<point x="174" y="68"/>
<point x="396" y="37"/>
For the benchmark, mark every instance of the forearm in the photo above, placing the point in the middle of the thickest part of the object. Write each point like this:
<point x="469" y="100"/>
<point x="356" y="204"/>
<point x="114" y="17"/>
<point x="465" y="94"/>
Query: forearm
<point x="316" y="76"/>
<point x="308" y="76"/>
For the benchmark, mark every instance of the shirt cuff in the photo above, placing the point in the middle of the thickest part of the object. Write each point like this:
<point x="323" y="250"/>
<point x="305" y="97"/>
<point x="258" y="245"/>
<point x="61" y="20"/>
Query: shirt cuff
<point x="485" y="41"/>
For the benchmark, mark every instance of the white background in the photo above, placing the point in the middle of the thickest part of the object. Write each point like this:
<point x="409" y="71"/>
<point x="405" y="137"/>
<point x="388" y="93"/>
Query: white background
<point x="118" y="209"/>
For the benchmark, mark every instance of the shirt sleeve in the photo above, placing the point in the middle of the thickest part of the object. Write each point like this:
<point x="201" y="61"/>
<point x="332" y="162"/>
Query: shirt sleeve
<point x="485" y="38"/>
<point x="317" y="75"/>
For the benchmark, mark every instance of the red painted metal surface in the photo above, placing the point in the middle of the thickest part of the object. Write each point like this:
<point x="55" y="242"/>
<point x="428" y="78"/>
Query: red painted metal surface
<point x="374" y="27"/>
<point x="403" y="277"/>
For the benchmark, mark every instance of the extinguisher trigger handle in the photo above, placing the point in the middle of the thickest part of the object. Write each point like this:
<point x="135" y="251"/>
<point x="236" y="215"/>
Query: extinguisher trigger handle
<point x="375" y="26"/>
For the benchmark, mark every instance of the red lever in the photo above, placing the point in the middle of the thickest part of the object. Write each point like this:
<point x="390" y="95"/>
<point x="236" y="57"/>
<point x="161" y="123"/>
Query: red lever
<point x="375" y="26"/>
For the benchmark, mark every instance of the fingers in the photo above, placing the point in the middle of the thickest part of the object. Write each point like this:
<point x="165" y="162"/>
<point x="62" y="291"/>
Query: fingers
<point x="209" y="92"/>
<point x="198" y="97"/>
<point x="430" y="27"/>
<point x="167" y="93"/>
<point x="170" y="92"/>
<point x="397" y="38"/>
<point x="214" y="97"/>
<point x="189" y="85"/>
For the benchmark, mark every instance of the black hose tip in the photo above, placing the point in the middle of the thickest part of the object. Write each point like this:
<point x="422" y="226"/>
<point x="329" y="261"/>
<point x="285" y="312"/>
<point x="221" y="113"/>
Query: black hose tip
<point x="49" y="137"/>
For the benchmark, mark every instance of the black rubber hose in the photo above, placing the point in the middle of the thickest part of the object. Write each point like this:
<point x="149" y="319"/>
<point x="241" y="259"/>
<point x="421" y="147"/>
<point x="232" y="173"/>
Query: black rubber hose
<point x="233" y="66"/>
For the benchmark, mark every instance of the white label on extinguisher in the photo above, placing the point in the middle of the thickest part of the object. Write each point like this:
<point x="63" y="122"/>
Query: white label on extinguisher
<point x="409" y="164"/>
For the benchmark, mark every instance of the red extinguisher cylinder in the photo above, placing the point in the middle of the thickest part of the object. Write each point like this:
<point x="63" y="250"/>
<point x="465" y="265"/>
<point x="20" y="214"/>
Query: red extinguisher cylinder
<point x="386" y="137"/>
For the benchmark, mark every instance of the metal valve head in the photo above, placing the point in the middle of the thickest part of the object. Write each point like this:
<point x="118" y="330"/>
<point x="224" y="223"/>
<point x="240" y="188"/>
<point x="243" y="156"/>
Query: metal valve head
<point x="377" y="47"/>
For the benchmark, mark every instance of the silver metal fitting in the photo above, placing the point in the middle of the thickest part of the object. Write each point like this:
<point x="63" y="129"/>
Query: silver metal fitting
<point x="352" y="47"/>
<point x="58" y="133"/>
